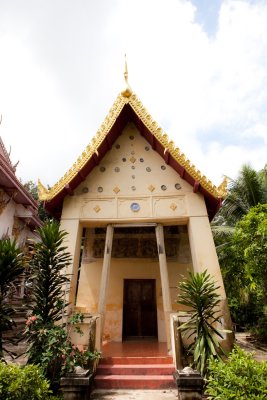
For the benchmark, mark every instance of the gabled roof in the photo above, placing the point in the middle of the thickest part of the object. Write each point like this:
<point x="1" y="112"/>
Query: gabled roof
<point x="14" y="188"/>
<point x="127" y="107"/>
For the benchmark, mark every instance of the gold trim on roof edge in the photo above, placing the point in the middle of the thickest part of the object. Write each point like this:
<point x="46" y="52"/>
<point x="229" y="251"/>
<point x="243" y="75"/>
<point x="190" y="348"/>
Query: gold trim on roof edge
<point x="47" y="195"/>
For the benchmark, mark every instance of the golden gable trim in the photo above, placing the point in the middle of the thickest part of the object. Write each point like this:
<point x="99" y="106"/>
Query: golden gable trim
<point x="217" y="192"/>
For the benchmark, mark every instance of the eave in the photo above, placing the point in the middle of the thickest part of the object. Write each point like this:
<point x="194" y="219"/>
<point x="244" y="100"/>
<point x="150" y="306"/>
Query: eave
<point x="12" y="186"/>
<point x="130" y="109"/>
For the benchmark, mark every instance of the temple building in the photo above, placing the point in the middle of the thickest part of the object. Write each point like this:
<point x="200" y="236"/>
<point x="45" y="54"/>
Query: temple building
<point x="140" y="212"/>
<point x="18" y="210"/>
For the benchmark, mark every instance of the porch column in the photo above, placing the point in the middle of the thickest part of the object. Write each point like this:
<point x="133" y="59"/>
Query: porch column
<point x="73" y="243"/>
<point x="203" y="250"/>
<point x="105" y="277"/>
<point x="204" y="257"/>
<point x="167" y="305"/>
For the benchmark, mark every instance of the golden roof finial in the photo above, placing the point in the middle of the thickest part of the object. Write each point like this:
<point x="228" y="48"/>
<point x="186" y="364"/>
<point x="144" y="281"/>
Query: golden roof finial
<point x="127" y="91"/>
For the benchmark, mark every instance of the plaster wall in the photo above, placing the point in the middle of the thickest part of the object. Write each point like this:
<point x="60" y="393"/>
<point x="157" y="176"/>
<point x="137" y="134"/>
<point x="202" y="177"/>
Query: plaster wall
<point x="11" y="225"/>
<point x="7" y="217"/>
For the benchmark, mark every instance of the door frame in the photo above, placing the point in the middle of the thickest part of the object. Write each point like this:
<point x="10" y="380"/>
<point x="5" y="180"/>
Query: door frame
<point x="153" y="282"/>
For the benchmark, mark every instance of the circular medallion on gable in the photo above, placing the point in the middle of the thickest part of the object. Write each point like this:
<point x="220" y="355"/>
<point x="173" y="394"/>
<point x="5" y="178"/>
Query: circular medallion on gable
<point x="141" y="160"/>
<point x="163" y="187"/>
<point x="117" y="146"/>
<point x="178" y="186"/>
<point x="133" y="188"/>
<point x="124" y="159"/>
<point x="146" y="148"/>
<point x="116" y="169"/>
<point x="100" y="189"/>
<point x="163" y="167"/>
<point x="85" y="190"/>
<point x="135" y="207"/>
<point x="133" y="167"/>
<point x="131" y="137"/>
<point x="102" y="169"/>
<point x="148" y="169"/>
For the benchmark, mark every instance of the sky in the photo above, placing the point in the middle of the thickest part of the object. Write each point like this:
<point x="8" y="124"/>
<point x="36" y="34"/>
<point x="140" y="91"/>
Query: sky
<point x="198" y="66"/>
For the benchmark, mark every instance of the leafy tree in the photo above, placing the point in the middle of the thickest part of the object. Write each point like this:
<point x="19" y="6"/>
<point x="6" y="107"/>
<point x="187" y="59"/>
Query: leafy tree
<point x="250" y="242"/>
<point x="11" y="266"/>
<point x="33" y="190"/>
<point x="244" y="296"/>
<point x="244" y="264"/>
<point x="251" y="238"/>
<point x="199" y="293"/>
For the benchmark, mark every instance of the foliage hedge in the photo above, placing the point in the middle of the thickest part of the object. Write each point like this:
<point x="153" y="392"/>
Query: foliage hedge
<point x="240" y="378"/>
<point x="23" y="383"/>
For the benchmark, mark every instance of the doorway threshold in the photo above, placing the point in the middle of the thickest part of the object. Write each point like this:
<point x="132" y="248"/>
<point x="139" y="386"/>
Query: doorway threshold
<point x="135" y="348"/>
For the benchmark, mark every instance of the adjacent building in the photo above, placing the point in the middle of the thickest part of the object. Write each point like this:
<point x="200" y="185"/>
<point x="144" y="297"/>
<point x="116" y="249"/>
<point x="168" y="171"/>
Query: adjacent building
<point x="18" y="210"/>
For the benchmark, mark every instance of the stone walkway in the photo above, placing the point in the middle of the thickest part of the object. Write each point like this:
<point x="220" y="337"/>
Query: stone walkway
<point x="120" y="394"/>
<point x="244" y="340"/>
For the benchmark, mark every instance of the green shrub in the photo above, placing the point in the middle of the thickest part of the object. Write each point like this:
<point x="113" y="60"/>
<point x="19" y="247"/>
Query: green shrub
<point x="22" y="383"/>
<point x="240" y="378"/>
<point x="58" y="356"/>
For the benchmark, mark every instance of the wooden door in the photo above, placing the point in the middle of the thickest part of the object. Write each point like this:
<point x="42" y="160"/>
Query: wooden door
<point x="139" y="309"/>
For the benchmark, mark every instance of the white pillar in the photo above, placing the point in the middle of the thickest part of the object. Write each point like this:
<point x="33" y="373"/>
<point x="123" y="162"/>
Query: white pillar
<point x="203" y="250"/>
<point x="204" y="257"/>
<point x="73" y="243"/>
<point x="167" y="305"/>
<point x="105" y="276"/>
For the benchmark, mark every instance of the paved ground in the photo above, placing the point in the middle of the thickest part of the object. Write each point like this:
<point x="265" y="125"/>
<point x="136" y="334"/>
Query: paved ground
<point x="244" y="340"/>
<point x="101" y="394"/>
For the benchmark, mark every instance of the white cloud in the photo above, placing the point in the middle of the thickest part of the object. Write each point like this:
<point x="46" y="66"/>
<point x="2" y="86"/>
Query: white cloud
<point x="61" y="69"/>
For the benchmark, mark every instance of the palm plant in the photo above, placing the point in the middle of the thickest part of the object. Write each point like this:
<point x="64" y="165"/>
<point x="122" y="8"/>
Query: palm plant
<point x="11" y="266"/>
<point x="199" y="293"/>
<point x="248" y="190"/>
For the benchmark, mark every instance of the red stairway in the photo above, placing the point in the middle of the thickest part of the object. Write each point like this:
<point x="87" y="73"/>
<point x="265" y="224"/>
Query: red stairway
<point x="135" y="372"/>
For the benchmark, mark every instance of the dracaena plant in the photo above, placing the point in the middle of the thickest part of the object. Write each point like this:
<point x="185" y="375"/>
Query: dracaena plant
<point x="49" y="280"/>
<point x="48" y="268"/>
<point x="199" y="294"/>
<point x="48" y="335"/>
<point x="11" y="267"/>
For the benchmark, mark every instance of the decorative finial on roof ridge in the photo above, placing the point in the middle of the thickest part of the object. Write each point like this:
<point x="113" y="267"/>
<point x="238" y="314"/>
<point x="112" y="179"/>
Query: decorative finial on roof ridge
<point x="127" y="91"/>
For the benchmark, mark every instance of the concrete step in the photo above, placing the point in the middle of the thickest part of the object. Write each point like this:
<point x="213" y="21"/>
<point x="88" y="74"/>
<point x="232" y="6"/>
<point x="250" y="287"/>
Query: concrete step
<point x="134" y="382"/>
<point x="136" y="360"/>
<point x="135" y="369"/>
<point x="135" y="373"/>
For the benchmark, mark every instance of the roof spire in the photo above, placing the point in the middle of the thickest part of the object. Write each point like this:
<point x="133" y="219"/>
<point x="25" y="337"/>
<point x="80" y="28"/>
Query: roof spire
<point x="127" y="91"/>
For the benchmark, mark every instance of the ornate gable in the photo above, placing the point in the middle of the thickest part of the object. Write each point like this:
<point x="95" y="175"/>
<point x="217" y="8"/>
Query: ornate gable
<point x="128" y="108"/>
